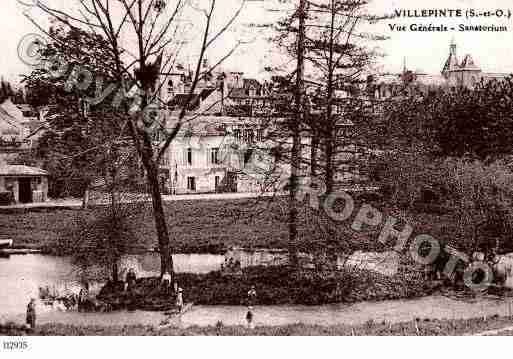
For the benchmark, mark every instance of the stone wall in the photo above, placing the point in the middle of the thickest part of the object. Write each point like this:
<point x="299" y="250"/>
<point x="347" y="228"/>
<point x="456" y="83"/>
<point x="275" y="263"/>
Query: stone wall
<point x="386" y="263"/>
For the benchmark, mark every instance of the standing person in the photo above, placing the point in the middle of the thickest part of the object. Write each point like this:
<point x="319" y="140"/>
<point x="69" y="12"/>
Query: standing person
<point x="179" y="300"/>
<point x="166" y="282"/>
<point x="131" y="278"/>
<point x="31" y="314"/>
<point x="251" y="300"/>
<point x="249" y="318"/>
<point x="83" y="296"/>
<point x="10" y="189"/>
<point x="252" y="296"/>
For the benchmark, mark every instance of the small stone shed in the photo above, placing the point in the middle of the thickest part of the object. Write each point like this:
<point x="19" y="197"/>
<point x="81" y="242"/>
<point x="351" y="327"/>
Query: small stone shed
<point x="27" y="184"/>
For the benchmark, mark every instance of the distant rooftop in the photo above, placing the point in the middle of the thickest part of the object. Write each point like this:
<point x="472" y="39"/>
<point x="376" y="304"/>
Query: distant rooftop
<point x="20" y="170"/>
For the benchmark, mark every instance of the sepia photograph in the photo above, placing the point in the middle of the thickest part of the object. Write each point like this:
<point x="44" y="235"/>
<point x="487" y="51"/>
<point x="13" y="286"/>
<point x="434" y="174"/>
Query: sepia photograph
<point x="244" y="168"/>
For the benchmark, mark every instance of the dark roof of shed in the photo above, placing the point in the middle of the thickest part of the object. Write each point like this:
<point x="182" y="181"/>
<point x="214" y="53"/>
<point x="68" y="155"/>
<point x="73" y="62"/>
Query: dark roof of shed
<point x="20" y="171"/>
<point x="181" y="99"/>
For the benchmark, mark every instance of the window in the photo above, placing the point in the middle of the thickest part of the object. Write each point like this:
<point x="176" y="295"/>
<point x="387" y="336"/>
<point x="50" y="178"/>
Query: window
<point x="170" y="87"/>
<point x="164" y="162"/>
<point x="157" y="136"/>
<point x="277" y="154"/>
<point x="260" y="135"/>
<point x="249" y="136"/>
<point x="189" y="156"/>
<point x="236" y="134"/>
<point x="214" y="156"/>
<point x="217" y="182"/>
<point x="247" y="156"/>
<point x="191" y="183"/>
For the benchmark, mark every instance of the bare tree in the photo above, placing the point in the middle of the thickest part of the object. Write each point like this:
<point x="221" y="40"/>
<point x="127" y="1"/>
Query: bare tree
<point x="157" y="28"/>
<point x="337" y="59"/>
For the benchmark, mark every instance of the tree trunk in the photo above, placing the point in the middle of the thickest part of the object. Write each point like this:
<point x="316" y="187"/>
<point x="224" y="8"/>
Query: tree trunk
<point x="296" y="124"/>
<point x="330" y="121"/>
<point x="115" y="272"/>
<point x="330" y="173"/>
<point x="146" y="152"/>
<point x="115" y="218"/>
<point x="313" y="154"/>
<point x="166" y="261"/>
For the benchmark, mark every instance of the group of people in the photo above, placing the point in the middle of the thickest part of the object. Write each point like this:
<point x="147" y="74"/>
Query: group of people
<point x="130" y="283"/>
<point x="231" y="266"/>
<point x="131" y="279"/>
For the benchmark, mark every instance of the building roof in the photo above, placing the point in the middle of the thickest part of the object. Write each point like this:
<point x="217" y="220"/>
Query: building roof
<point x="496" y="76"/>
<point x="21" y="171"/>
<point x="430" y="80"/>
<point x="207" y="125"/>
<point x="469" y="64"/>
<point x="181" y="99"/>
<point x="9" y="119"/>
<point x="388" y="79"/>
<point x="451" y="64"/>
<point x="251" y="83"/>
<point x="237" y="93"/>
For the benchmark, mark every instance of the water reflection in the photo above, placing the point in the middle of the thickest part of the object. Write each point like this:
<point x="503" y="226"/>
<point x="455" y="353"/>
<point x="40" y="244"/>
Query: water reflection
<point x="22" y="276"/>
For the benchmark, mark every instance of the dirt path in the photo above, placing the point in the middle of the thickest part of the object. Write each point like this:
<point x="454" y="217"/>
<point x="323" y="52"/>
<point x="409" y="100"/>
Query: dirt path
<point x="77" y="203"/>
<point x="495" y="332"/>
<point x="434" y="307"/>
<point x="114" y="319"/>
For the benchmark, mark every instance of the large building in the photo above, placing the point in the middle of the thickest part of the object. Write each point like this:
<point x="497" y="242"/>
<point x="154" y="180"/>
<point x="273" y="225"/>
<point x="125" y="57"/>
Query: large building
<point x="465" y="73"/>
<point x="222" y="146"/>
<point x="219" y="154"/>
<point x="455" y="73"/>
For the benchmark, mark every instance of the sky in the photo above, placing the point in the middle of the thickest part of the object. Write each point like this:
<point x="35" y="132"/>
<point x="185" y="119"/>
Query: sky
<point x="424" y="51"/>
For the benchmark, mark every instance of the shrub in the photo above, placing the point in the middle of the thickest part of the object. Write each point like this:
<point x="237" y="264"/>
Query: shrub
<point x="481" y="197"/>
<point x="478" y="197"/>
<point x="408" y="179"/>
<point x="274" y="286"/>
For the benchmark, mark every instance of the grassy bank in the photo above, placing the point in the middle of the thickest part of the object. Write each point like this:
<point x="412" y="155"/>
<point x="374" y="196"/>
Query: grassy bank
<point x="212" y="226"/>
<point x="275" y="286"/>
<point x="418" y="328"/>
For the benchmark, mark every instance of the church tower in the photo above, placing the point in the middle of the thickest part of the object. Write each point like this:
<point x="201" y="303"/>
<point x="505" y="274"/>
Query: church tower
<point x="466" y="73"/>
<point x="452" y="63"/>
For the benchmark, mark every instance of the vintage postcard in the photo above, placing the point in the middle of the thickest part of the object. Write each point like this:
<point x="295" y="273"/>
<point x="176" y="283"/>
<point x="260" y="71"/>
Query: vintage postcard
<point x="255" y="168"/>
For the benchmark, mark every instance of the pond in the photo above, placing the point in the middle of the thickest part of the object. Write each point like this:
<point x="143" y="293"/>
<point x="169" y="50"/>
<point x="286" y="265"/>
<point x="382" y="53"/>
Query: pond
<point x="21" y="276"/>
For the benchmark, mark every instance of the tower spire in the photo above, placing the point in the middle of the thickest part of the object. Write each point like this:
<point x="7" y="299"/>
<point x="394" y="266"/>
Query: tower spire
<point x="453" y="46"/>
<point x="404" y="65"/>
